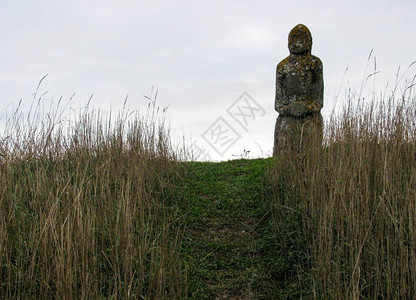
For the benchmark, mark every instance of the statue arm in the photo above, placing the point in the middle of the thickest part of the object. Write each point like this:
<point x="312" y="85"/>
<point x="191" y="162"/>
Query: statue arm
<point x="317" y="102"/>
<point x="279" y="103"/>
<point x="320" y="93"/>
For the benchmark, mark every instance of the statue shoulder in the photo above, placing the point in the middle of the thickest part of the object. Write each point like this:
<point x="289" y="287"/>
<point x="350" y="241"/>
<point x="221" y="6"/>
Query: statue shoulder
<point x="281" y="65"/>
<point x="316" y="62"/>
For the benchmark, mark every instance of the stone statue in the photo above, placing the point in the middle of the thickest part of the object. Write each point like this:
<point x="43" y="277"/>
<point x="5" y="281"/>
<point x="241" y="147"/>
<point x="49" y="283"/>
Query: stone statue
<point x="299" y="95"/>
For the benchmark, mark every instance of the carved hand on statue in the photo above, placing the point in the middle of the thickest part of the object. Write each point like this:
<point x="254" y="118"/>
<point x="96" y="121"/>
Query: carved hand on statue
<point x="313" y="107"/>
<point x="297" y="109"/>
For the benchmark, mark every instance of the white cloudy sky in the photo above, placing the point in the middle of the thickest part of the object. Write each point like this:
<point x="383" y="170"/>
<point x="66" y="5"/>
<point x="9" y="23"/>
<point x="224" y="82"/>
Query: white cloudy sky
<point x="200" y="55"/>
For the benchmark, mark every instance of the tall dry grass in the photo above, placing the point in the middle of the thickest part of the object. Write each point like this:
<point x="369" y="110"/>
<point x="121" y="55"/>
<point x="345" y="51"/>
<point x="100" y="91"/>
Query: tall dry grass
<point x="348" y="209"/>
<point x="86" y="207"/>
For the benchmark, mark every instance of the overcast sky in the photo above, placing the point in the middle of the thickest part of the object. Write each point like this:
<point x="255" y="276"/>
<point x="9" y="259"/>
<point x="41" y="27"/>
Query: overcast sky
<point x="200" y="55"/>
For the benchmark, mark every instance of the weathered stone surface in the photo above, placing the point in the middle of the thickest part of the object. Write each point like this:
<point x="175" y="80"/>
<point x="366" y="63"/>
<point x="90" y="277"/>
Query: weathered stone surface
<point x="299" y="94"/>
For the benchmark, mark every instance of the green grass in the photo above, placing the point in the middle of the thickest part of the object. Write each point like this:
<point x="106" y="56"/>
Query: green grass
<point x="229" y="245"/>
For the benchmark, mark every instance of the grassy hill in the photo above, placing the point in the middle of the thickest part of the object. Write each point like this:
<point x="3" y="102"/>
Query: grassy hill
<point x="106" y="210"/>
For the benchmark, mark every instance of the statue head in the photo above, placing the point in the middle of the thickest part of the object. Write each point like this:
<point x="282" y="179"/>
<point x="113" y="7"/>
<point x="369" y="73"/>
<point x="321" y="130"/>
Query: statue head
<point x="300" y="40"/>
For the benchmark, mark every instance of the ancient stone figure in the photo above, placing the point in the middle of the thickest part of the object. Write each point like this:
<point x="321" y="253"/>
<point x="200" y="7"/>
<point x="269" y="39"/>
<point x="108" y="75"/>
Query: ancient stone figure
<point x="299" y="95"/>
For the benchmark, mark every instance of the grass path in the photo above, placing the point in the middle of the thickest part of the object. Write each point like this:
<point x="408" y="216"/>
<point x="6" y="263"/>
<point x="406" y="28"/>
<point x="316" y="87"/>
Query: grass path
<point x="227" y="225"/>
